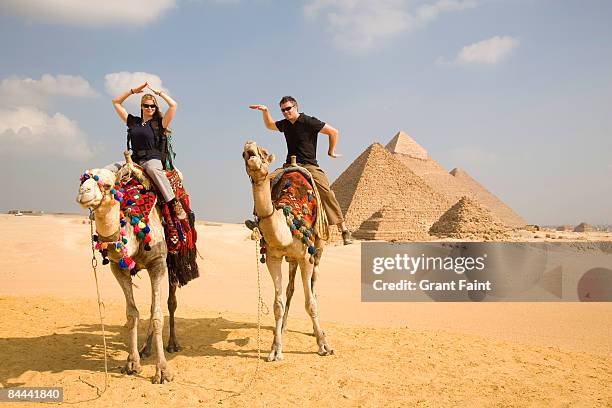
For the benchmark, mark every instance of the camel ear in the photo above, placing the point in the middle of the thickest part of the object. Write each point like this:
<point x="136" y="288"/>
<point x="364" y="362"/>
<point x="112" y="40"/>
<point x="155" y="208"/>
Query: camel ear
<point x="270" y="158"/>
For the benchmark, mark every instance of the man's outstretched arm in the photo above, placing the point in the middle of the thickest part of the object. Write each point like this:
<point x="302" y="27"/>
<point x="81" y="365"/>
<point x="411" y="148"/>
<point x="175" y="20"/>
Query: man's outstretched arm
<point x="333" y="137"/>
<point x="268" y="121"/>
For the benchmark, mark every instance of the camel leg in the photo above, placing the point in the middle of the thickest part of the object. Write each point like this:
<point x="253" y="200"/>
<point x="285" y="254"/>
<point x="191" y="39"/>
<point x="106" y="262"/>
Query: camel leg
<point x="274" y="267"/>
<point x="311" y="307"/>
<point x="157" y="273"/>
<point x="290" y="289"/>
<point x="145" y="350"/>
<point x="132" y="365"/>
<point x="173" y="345"/>
<point x="315" y="276"/>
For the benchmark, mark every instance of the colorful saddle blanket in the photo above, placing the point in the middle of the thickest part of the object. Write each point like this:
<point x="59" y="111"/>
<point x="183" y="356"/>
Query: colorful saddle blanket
<point x="181" y="236"/>
<point x="295" y="196"/>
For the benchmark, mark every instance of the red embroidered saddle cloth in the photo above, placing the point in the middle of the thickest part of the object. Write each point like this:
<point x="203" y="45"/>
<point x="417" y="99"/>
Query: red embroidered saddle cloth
<point x="294" y="194"/>
<point x="181" y="235"/>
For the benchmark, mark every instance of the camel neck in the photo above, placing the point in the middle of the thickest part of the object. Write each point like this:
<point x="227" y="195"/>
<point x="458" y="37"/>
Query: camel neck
<point x="272" y="222"/>
<point x="263" y="198"/>
<point x="107" y="219"/>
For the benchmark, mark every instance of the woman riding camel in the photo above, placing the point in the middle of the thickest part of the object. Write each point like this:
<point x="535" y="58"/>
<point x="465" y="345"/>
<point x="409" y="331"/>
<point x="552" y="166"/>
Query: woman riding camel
<point x="145" y="134"/>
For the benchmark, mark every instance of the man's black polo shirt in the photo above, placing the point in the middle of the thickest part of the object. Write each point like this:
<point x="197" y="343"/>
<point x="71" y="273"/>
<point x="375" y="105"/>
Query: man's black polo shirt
<point x="301" y="138"/>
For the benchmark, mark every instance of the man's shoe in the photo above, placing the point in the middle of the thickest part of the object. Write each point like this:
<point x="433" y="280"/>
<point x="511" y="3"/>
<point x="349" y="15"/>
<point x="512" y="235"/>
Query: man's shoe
<point x="178" y="210"/>
<point x="250" y="224"/>
<point x="346" y="237"/>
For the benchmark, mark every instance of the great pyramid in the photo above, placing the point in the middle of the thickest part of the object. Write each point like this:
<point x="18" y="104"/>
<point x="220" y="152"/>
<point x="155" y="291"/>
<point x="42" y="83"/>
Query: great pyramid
<point x="453" y="185"/>
<point x="376" y="191"/>
<point x="468" y="219"/>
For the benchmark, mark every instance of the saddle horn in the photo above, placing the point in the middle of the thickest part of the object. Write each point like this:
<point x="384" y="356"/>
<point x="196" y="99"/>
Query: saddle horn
<point x="128" y="157"/>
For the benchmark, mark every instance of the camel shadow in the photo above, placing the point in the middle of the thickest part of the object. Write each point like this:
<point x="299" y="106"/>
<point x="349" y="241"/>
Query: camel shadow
<point x="80" y="347"/>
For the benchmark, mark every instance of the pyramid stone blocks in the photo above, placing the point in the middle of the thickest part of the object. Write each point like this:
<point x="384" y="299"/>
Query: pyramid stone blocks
<point x="377" y="183"/>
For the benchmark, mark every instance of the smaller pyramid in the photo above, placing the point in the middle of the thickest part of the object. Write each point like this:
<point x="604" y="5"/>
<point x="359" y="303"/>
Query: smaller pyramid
<point x="488" y="199"/>
<point x="468" y="219"/>
<point x="393" y="224"/>
<point x="404" y="144"/>
<point x="584" y="227"/>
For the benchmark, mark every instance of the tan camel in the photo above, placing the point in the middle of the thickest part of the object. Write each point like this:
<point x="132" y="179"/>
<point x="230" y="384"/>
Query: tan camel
<point x="97" y="197"/>
<point x="281" y="243"/>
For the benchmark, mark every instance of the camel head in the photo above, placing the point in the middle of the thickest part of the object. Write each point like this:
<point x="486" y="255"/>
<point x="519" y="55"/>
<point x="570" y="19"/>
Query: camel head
<point x="256" y="160"/>
<point x="95" y="189"/>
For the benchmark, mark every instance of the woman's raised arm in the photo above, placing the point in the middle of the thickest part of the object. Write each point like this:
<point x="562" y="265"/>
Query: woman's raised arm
<point x="117" y="102"/>
<point x="171" y="106"/>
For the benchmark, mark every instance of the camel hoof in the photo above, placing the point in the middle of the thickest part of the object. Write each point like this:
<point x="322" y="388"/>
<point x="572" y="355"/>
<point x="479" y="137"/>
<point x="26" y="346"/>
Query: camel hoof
<point x="325" y="350"/>
<point x="162" y="376"/>
<point x="275" y="355"/>
<point x="173" y="348"/>
<point x="131" y="367"/>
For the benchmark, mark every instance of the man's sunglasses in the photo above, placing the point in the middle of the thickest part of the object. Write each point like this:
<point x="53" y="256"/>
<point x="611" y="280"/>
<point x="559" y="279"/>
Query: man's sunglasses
<point x="286" y="109"/>
<point x="145" y="105"/>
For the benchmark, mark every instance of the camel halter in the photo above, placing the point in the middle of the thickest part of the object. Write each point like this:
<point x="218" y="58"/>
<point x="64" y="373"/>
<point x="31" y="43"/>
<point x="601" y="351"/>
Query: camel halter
<point x="86" y="176"/>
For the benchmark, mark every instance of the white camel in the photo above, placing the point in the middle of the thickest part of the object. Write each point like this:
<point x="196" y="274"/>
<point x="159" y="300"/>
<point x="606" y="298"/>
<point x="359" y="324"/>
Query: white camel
<point x="96" y="195"/>
<point x="281" y="243"/>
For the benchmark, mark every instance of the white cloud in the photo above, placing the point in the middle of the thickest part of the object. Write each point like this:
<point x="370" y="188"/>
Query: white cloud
<point x="88" y="13"/>
<point x="487" y="52"/>
<point x="117" y="83"/>
<point x="357" y="25"/>
<point x="30" y="131"/>
<point x="15" y="91"/>
<point x="429" y="12"/>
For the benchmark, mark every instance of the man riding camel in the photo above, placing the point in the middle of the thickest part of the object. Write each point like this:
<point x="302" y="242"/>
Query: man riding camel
<point x="301" y="132"/>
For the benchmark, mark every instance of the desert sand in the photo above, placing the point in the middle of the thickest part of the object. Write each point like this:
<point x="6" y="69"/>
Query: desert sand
<point x="386" y="354"/>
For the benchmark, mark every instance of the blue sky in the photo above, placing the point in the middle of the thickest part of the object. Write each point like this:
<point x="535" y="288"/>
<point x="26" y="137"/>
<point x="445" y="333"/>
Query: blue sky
<point x="518" y="93"/>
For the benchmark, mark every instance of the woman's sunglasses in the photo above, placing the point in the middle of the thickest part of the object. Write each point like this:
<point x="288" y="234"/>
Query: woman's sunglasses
<point x="145" y="105"/>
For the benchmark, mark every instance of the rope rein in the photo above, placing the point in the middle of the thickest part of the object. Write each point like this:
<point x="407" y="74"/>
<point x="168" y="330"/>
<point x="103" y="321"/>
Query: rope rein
<point x="94" y="264"/>
<point x="261" y="305"/>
